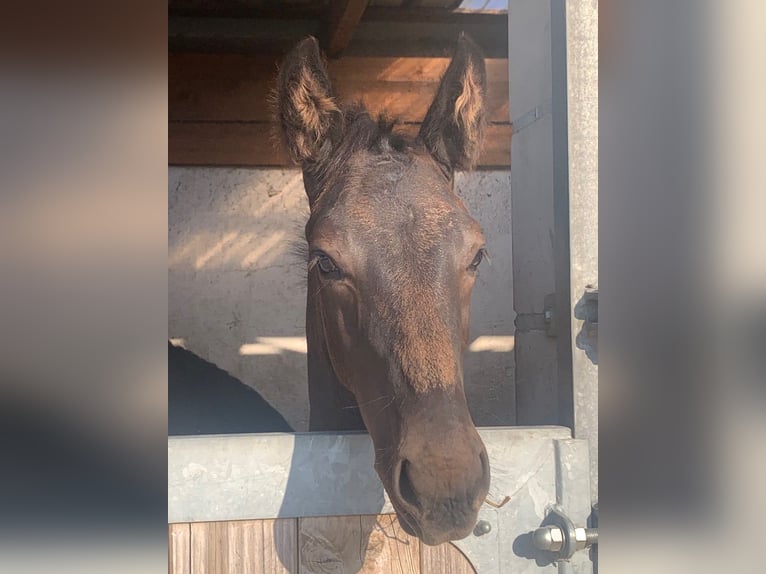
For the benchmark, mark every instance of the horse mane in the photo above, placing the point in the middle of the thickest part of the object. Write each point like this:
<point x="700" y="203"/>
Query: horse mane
<point x="374" y="135"/>
<point x="360" y="132"/>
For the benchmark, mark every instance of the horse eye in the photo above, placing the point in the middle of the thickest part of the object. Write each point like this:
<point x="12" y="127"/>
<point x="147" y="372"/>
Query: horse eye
<point x="478" y="259"/>
<point x="326" y="265"/>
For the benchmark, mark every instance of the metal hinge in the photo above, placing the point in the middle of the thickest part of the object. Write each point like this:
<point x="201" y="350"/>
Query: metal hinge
<point x="530" y="117"/>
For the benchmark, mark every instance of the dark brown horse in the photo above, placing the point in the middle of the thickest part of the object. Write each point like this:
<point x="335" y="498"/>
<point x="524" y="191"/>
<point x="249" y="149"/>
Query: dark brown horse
<point x="392" y="259"/>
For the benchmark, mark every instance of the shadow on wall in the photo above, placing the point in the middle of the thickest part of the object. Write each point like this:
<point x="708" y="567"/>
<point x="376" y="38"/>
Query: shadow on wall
<point x="232" y="276"/>
<point x="487" y="354"/>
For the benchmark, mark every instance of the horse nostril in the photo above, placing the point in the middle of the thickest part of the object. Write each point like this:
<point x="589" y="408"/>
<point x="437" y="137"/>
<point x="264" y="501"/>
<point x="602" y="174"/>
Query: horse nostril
<point x="406" y="490"/>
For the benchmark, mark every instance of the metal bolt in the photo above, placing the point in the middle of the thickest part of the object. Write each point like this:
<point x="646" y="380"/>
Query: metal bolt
<point x="550" y="538"/>
<point x="580" y="538"/>
<point x="585" y="537"/>
<point x="482" y="527"/>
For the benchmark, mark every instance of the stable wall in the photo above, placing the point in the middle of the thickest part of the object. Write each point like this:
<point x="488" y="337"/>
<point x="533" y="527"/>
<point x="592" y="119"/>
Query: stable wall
<point x="237" y="290"/>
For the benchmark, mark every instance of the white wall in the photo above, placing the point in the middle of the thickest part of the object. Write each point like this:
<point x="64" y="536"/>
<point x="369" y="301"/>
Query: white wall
<point x="237" y="293"/>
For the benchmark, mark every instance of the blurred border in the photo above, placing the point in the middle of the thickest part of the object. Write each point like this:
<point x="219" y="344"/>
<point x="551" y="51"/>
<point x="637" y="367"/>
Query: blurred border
<point x="683" y="286"/>
<point x="83" y="236"/>
<point x="83" y="176"/>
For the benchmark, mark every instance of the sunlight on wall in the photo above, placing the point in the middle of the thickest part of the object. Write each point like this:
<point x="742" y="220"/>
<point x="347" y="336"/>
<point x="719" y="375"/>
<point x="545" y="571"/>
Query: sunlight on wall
<point x="274" y="346"/>
<point x="265" y="252"/>
<point x="493" y="344"/>
<point x="277" y="345"/>
<point x="293" y="190"/>
<point x="178" y="254"/>
<point x="214" y="250"/>
<point x="228" y="221"/>
<point x="234" y="250"/>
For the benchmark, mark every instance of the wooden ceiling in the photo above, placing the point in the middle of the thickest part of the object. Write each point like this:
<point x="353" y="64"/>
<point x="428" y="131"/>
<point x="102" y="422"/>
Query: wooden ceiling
<point x="389" y="53"/>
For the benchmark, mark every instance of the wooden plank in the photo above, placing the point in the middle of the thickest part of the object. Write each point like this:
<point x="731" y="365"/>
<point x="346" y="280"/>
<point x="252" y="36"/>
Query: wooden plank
<point x="247" y="8"/>
<point x="382" y="33"/>
<point x="231" y="87"/>
<point x="280" y="546"/>
<point x="365" y="544"/>
<point x="245" y="546"/>
<point x="444" y="559"/>
<point x="344" y="17"/>
<point x="209" y="548"/>
<point x="483" y="18"/>
<point x="253" y="144"/>
<point x="330" y="544"/>
<point x="221" y="144"/>
<point x="389" y="548"/>
<point x="220" y="87"/>
<point x="316" y="9"/>
<point x="179" y="548"/>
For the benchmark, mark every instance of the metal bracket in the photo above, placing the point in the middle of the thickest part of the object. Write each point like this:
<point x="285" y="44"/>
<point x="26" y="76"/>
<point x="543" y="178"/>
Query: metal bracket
<point x="561" y="537"/>
<point x="531" y="116"/>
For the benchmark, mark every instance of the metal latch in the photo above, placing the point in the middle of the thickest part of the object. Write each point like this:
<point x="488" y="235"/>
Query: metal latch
<point x="560" y="536"/>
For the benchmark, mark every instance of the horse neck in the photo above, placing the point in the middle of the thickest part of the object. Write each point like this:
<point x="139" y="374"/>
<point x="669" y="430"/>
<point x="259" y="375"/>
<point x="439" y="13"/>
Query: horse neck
<point x="332" y="406"/>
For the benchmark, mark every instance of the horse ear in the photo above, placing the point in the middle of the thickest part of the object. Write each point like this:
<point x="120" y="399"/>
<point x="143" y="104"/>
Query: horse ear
<point x="308" y="115"/>
<point x="454" y="125"/>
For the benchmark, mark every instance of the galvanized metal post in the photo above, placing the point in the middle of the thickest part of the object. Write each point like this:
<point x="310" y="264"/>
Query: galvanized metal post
<point x="582" y="150"/>
<point x="553" y="60"/>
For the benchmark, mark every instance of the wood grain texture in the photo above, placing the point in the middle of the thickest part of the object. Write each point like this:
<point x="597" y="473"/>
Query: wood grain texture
<point x="317" y="545"/>
<point x="444" y="559"/>
<point x="209" y="548"/>
<point x="239" y="26"/>
<point x="233" y="87"/>
<point x="344" y="17"/>
<point x="179" y="549"/>
<point x="363" y="544"/>
<point x="389" y="548"/>
<point x="280" y="546"/>
<point x="220" y="111"/>
<point x="253" y="144"/>
<point x="236" y="547"/>
<point x="245" y="547"/>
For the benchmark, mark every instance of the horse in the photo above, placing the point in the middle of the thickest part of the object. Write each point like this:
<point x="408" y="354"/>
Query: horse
<point x="205" y="399"/>
<point x="392" y="256"/>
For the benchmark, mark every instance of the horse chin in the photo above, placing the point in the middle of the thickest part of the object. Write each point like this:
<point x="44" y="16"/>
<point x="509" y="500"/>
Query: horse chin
<point x="408" y="524"/>
<point x="431" y="538"/>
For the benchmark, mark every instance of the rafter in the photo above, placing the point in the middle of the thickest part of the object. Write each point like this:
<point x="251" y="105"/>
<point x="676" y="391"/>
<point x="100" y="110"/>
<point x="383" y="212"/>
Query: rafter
<point x="344" y="18"/>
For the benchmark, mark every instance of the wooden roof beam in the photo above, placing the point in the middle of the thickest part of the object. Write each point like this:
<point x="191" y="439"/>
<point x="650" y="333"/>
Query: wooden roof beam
<point x="344" y="18"/>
